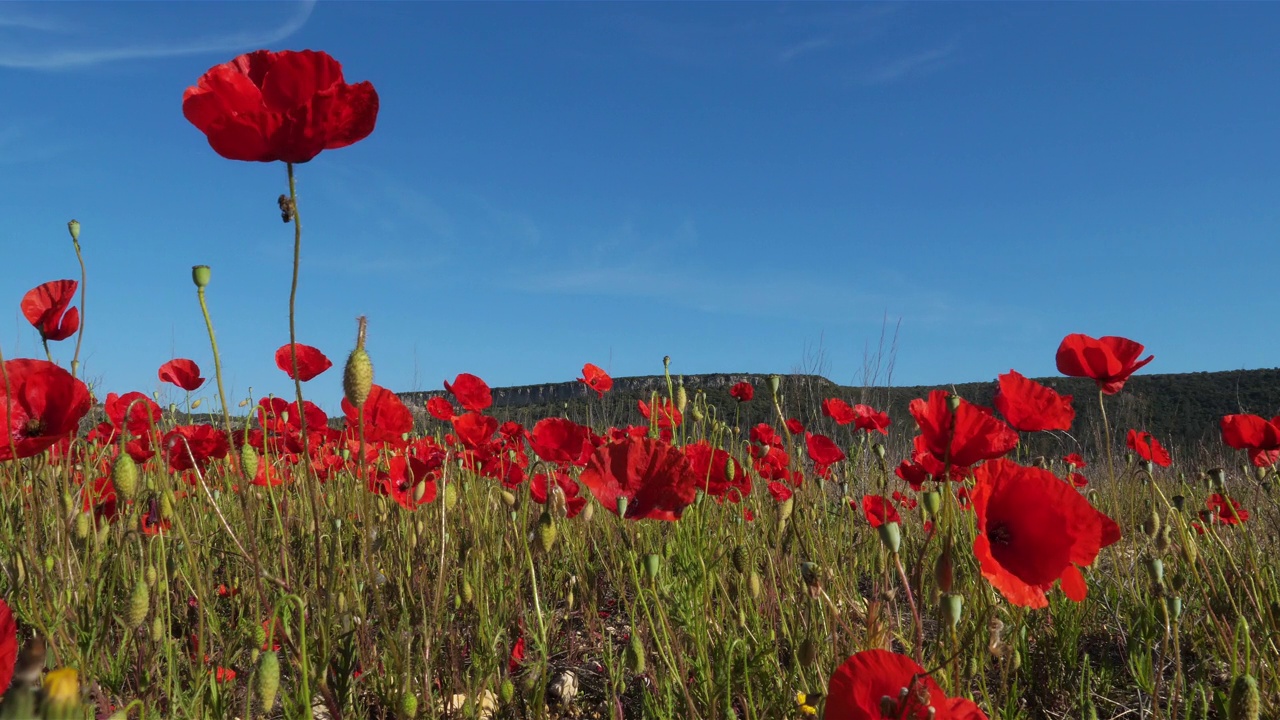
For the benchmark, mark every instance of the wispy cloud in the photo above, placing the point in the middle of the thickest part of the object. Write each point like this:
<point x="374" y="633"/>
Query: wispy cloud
<point x="921" y="63"/>
<point x="790" y="53"/>
<point x="53" y="57"/>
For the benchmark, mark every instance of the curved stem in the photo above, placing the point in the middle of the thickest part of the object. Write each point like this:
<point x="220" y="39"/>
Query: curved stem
<point x="75" y="359"/>
<point x="217" y="360"/>
<point x="1106" y="438"/>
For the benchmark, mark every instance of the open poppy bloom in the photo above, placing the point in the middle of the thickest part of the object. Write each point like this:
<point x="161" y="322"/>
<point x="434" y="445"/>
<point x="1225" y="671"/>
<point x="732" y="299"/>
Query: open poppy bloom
<point x="878" y="510"/>
<point x="289" y="106"/>
<point x="823" y="451"/>
<point x="978" y="435"/>
<point x="717" y="473"/>
<point x="742" y="392"/>
<point x="194" y="446"/>
<point x="1148" y="448"/>
<point x="1261" y="437"/>
<point x="596" y="379"/>
<point x="858" y="690"/>
<point x="1074" y="460"/>
<point x="386" y="419"/>
<point x="654" y="477"/>
<point x="441" y="409"/>
<point x="471" y="392"/>
<point x="838" y="410"/>
<point x="868" y="418"/>
<point x="1034" y="529"/>
<point x="8" y="644"/>
<point x="1109" y="360"/>
<point x="1228" y="509"/>
<point x="183" y="373"/>
<point x="44" y="405"/>
<point x="45" y="307"/>
<point x="1031" y="407"/>
<point x="560" y="440"/>
<point x="311" y="362"/>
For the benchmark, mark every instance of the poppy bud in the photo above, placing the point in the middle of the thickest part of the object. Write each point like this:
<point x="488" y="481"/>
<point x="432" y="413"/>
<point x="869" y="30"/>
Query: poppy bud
<point x="150" y="575"/>
<point x="682" y="396"/>
<point x="1151" y="525"/>
<point x="951" y="607"/>
<point x="1174" y="606"/>
<point x="953" y="402"/>
<point x="1217" y="476"/>
<point x="1245" y="702"/>
<point x="775" y="382"/>
<point x="808" y="651"/>
<point x="124" y="477"/>
<point x="468" y="594"/>
<point x="740" y="559"/>
<point x="1189" y="550"/>
<point x="508" y="498"/>
<point x="785" y="508"/>
<point x="449" y="497"/>
<point x="419" y="491"/>
<point x="74" y="228"/>
<point x="1155" y="568"/>
<point x="267" y="679"/>
<point x="546" y="531"/>
<point x="697" y="414"/>
<point x="879" y="450"/>
<point x="754" y="584"/>
<point x="891" y="536"/>
<point x="84" y="525"/>
<point x="357" y="377"/>
<point x="634" y="656"/>
<point x="409" y="706"/>
<point x="506" y="691"/>
<point x="249" y="460"/>
<point x="589" y="511"/>
<point x="136" y="609"/>
<point x="200" y="275"/>
<point x="622" y="507"/>
<point x="197" y="403"/>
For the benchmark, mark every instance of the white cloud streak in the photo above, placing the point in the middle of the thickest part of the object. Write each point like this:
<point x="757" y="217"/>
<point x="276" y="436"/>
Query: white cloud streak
<point x="52" y="58"/>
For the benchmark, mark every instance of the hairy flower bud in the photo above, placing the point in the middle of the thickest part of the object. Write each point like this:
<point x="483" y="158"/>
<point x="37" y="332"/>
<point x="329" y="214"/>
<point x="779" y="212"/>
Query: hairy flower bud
<point x="136" y="609"/>
<point x="357" y="377"/>
<point x="267" y="679"/>
<point x="124" y="477"/>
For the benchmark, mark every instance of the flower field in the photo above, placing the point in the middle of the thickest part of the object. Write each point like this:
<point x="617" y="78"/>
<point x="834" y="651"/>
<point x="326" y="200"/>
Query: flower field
<point x="445" y="561"/>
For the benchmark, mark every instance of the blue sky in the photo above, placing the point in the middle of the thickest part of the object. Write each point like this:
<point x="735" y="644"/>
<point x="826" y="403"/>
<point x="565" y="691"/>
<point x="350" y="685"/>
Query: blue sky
<point x="734" y="185"/>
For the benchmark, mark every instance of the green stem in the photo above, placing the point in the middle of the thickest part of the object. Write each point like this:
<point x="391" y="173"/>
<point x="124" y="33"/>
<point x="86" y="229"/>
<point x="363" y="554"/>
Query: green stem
<point x="75" y="359"/>
<point x="217" y="360"/>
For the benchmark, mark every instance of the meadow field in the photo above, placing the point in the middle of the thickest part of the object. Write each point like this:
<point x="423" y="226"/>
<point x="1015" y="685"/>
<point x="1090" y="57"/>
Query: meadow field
<point x="446" y="561"/>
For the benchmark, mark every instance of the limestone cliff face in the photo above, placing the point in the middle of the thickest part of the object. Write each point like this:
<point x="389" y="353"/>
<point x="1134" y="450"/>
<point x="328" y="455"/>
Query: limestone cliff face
<point x="549" y="393"/>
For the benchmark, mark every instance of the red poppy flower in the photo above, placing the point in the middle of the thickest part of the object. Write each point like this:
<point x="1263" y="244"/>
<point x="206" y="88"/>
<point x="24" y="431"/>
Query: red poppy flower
<point x="794" y="426"/>
<point x="45" y="307"/>
<point x="193" y="446"/>
<point x="1031" y="407"/>
<point x="1148" y="448"/>
<point x="596" y="379"/>
<point x="517" y="656"/>
<point x="765" y="435"/>
<point x="471" y="392"/>
<point x="717" y="473"/>
<point x="879" y="510"/>
<point x="441" y="409"/>
<point x="838" y="410"/>
<point x="224" y="675"/>
<point x="780" y="492"/>
<point x="8" y="644"/>
<point x="311" y="362"/>
<point x="1228" y="509"/>
<point x="1034" y="529"/>
<point x="288" y="106"/>
<point x="386" y="419"/>
<point x="857" y="687"/>
<point x="183" y="373"/>
<point x="868" y="418"/>
<point x="653" y="476"/>
<point x="1261" y="437"/>
<point x="742" y="392"/>
<point x="475" y="430"/>
<point x="44" y="405"/>
<point x="1078" y="480"/>
<point x="540" y="489"/>
<point x="978" y="435"/>
<point x="1074" y="460"/>
<point x="668" y="414"/>
<point x="559" y="440"/>
<point x="913" y="473"/>
<point x="822" y="451"/>
<point x="1109" y="361"/>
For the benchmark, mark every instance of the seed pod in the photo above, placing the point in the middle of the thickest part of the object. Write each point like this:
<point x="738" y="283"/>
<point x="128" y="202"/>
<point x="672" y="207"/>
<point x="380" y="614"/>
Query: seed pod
<point x="357" y="377"/>
<point x="652" y="562"/>
<point x="891" y="536"/>
<point x="1155" y="568"/>
<point x="267" y="679"/>
<point x="124" y="477"/>
<point x="775" y="383"/>
<point x="546" y="531"/>
<point x="409" y="706"/>
<point x="200" y="275"/>
<point x="136" y="610"/>
<point x="1245" y="703"/>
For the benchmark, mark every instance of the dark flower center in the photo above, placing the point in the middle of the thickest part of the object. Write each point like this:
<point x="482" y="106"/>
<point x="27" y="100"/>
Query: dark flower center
<point x="33" y="427"/>
<point x="1000" y="534"/>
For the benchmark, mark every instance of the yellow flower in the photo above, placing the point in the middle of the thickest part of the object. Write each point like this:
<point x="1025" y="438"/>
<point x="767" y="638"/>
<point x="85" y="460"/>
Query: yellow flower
<point x="62" y="688"/>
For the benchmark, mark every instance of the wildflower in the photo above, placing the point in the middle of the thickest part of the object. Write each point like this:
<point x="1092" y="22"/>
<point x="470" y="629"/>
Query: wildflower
<point x="1034" y="529"/>
<point x="972" y="435"/>
<point x="44" y="405"/>
<point x="471" y="392"/>
<point x="45" y="307"/>
<point x="1109" y="361"/>
<point x="742" y="392"/>
<point x="1261" y="437"/>
<point x="183" y="373"/>
<point x="596" y="379"/>
<point x="289" y="106"/>
<point x="1148" y="448"/>
<point x="879" y="510"/>
<point x="62" y="689"/>
<point x="655" y="478"/>
<point x="881" y="685"/>
<point x="311" y="362"/>
<point x="1074" y="460"/>
<point x="441" y="409"/>
<point x="1228" y="509"/>
<point x="1031" y="407"/>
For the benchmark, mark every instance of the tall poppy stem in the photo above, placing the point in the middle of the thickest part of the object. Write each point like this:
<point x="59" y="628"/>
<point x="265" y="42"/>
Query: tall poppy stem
<point x="75" y="359"/>
<point x="1106" y="437"/>
<point x="297" y="383"/>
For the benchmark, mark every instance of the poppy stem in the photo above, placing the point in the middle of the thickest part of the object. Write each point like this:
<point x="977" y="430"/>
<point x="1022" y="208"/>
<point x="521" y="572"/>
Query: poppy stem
<point x="75" y="359"/>
<point x="1106" y="437"/>
<point x="217" y="362"/>
<point x="297" y="383"/>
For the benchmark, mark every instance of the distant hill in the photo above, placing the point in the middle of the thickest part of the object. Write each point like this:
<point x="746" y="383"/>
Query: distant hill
<point x="1183" y="410"/>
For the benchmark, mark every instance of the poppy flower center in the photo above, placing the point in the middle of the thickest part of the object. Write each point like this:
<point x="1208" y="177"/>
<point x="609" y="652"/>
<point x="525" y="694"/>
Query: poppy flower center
<point x="1000" y="534"/>
<point x="33" y="427"/>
